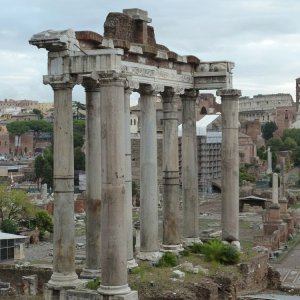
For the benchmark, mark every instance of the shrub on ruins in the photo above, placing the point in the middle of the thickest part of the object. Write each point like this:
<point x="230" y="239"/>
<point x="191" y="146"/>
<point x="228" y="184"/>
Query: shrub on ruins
<point x="217" y="251"/>
<point x="9" y="226"/>
<point x="43" y="221"/>
<point x="168" y="260"/>
<point x="15" y="204"/>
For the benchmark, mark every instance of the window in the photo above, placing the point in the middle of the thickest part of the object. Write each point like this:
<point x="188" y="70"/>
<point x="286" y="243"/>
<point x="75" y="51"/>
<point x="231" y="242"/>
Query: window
<point x="7" y="249"/>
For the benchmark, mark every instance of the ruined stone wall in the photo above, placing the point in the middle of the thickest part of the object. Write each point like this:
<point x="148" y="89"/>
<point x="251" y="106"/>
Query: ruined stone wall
<point x="251" y="128"/>
<point x="254" y="274"/>
<point x="285" y="116"/>
<point x="13" y="274"/>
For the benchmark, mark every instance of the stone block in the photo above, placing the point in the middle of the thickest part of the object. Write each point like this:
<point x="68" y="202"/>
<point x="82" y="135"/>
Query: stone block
<point x="30" y="284"/>
<point x="82" y="294"/>
<point x="178" y="274"/>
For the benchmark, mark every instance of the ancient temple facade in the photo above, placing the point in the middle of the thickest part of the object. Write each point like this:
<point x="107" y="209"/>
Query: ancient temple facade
<point x="110" y="67"/>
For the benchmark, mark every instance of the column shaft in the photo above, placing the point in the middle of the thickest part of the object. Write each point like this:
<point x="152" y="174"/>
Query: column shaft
<point x="230" y="164"/>
<point x="93" y="176"/>
<point x="128" y="176"/>
<point x="189" y="166"/>
<point x="113" y="217"/>
<point x="171" y="235"/>
<point x="148" y="182"/>
<point x="63" y="157"/>
<point x="275" y="188"/>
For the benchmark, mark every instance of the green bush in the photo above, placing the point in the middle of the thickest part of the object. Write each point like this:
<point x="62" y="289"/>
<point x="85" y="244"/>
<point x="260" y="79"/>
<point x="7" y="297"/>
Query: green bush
<point x="167" y="260"/>
<point x="9" y="226"/>
<point x="43" y="222"/>
<point x="196" y="248"/>
<point x="216" y="251"/>
<point x="93" y="284"/>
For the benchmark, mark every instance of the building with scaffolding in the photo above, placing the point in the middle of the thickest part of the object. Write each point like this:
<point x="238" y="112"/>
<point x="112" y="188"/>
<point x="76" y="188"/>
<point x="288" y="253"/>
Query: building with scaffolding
<point x="209" y="143"/>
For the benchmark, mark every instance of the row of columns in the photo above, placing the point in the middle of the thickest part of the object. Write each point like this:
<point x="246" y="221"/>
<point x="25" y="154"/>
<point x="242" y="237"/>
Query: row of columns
<point x="109" y="178"/>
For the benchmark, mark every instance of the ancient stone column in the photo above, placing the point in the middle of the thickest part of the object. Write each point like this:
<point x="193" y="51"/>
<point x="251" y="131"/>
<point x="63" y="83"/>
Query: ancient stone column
<point x="275" y="188"/>
<point x="171" y="235"/>
<point x="283" y="179"/>
<point x="113" y="210"/>
<point x="131" y="263"/>
<point x="93" y="176"/>
<point x="230" y="164"/>
<point x="269" y="157"/>
<point x="189" y="167"/>
<point x="63" y="157"/>
<point x="148" y="182"/>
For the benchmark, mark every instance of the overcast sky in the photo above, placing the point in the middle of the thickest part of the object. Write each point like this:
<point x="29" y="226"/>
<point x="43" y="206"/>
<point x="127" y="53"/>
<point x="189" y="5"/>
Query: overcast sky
<point x="262" y="37"/>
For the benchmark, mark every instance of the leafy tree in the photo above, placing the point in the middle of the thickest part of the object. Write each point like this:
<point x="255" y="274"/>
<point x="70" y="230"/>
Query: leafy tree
<point x="262" y="153"/>
<point x="245" y="176"/>
<point x="38" y="113"/>
<point x="79" y="159"/>
<point x="9" y="226"/>
<point x="289" y="144"/>
<point x="43" y="222"/>
<point x="296" y="156"/>
<point x="38" y="126"/>
<point x="268" y="129"/>
<point x="276" y="144"/>
<point x="78" y="132"/>
<point x="44" y="167"/>
<point x="78" y="105"/>
<point x="15" y="205"/>
<point x="17" y="128"/>
<point x="293" y="133"/>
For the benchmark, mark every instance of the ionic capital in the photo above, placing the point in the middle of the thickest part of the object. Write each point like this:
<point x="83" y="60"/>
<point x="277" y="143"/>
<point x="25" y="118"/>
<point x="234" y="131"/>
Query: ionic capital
<point x="189" y="95"/>
<point x="61" y="82"/>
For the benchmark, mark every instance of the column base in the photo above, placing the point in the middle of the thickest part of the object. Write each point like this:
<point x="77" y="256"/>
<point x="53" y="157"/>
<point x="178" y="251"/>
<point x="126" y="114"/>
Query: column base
<point x="188" y="242"/>
<point x="59" y="280"/>
<point x="56" y="289"/>
<point x="90" y="274"/>
<point x="150" y="256"/>
<point x="171" y="248"/>
<point x="132" y="295"/>
<point x="131" y="264"/>
<point x="107" y="290"/>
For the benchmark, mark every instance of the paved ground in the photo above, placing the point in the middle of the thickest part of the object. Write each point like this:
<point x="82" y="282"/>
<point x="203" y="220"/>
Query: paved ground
<point x="289" y="269"/>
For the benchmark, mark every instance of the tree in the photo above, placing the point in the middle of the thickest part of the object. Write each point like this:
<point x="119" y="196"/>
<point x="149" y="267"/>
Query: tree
<point x="43" y="166"/>
<point x="9" y="226"/>
<point x="38" y="113"/>
<point x="15" y="205"/>
<point x="293" y="133"/>
<point x="17" y="128"/>
<point x="43" y="222"/>
<point x="38" y="126"/>
<point x="289" y="144"/>
<point x="268" y="129"/>
<point x="79" y="159"/>
<point x="276" y="144"/>
<point x="78" y="105"/>
<point x="78" y="132"/>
